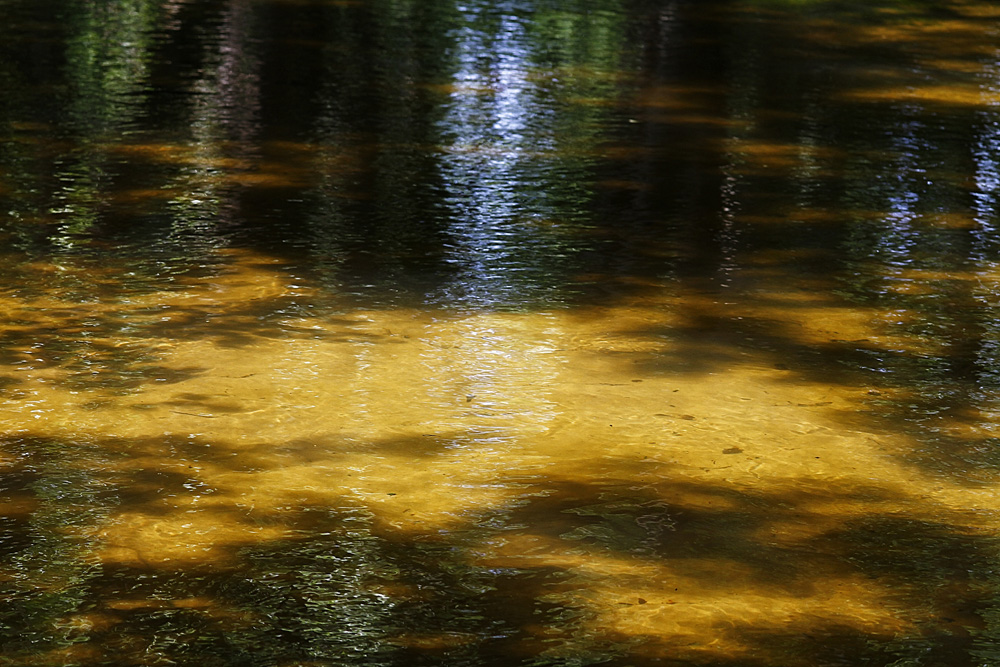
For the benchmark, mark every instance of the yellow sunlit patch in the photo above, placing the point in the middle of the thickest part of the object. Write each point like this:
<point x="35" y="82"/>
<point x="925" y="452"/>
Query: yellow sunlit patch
<point x="759" y="154"/>
<point x="952" y="220"/>
<point x="648" y="450"/>
<point x="953" y="95"/>
<point x="977" y="10"/>
<point x="186" y="534"/>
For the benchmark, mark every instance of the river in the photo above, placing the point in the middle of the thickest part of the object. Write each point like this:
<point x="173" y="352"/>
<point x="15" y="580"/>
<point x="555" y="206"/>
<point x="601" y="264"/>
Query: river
<point x="499" y="333"/>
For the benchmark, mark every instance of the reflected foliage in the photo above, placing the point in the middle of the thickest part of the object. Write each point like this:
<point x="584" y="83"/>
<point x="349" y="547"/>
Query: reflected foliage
<point x="763" y="167"/>
<point x="341" y="588"/>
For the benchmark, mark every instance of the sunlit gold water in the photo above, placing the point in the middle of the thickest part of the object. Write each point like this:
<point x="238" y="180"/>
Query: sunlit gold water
<point x="687" y="489"/>
<point x="573" y="394"/>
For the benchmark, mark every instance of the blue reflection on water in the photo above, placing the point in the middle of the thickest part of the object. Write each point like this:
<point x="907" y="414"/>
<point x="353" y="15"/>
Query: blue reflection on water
<point x="507" y="173"/>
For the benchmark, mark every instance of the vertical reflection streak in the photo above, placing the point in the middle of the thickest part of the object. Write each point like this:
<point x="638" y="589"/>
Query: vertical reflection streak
<point x="808" y="169"/>
<point x="985" y="247"/>
<point x="108" y="63"/>
<point x="987" y="167"/>
<point x="903" y="191"/>
<point x="516" y="151"/>
<point x="487" y="121"/>
<point x="225" y="120"/>
<point x="742" y="107"/>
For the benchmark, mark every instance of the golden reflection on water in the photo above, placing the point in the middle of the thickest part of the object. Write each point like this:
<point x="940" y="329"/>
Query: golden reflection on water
<point x="694" y="491"/>
<point x="737" y="460"/>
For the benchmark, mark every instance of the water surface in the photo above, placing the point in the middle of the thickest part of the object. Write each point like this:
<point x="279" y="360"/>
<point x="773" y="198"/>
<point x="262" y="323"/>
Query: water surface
<point x="621" y="332"/>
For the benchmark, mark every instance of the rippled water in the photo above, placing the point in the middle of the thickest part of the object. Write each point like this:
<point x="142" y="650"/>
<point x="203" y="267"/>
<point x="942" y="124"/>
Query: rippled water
<point x="499" y="333"/>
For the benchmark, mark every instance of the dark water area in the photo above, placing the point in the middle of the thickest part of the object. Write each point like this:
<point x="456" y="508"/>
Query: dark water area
<point x="591" y="332"/>
<point x="485" y="155"/>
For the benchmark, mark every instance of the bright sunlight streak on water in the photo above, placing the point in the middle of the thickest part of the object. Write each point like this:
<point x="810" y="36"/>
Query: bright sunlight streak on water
<point x="671" y="493"/>
<point x="392" y="333"/>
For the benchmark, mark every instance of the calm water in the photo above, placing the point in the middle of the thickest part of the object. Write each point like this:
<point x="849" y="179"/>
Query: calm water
<point x="522" y="333"/>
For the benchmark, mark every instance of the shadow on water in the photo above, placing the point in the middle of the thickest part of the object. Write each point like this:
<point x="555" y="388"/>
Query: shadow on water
<point x="935" y="388"/>
<point x="439" y="159"/>
<point x="566" y="572"/>
<point x="117" y="337"/>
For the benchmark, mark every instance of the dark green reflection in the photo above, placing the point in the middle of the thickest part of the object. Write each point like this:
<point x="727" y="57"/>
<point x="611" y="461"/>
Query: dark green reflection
<point x="468" y="173"/>
<point x="498" y="156"/>
<point x="47" y="546"/>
